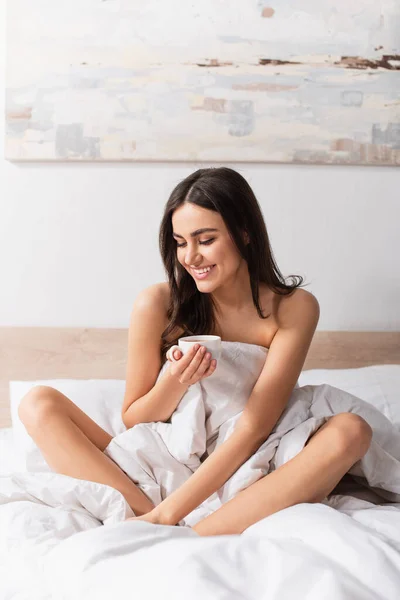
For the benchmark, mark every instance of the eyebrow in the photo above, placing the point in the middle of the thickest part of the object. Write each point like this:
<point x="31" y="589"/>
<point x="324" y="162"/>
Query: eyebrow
<point x="197" y="232"/>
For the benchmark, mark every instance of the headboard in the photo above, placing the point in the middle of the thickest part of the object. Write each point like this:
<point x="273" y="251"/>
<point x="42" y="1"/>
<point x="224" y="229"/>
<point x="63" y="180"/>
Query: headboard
<point x="30" y="353"/>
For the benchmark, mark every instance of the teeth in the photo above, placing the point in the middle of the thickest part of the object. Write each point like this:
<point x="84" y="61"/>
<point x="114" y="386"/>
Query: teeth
<point x="200" y="271"/>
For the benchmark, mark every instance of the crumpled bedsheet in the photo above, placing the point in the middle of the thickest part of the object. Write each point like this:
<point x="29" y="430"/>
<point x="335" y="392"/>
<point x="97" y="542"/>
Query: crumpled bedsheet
<point x="160" y="457"/>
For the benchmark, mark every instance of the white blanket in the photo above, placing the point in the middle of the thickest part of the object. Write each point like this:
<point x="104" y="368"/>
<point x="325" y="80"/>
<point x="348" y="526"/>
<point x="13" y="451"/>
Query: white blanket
<point x="47" y="550"/>
<point x="160" y="457"/>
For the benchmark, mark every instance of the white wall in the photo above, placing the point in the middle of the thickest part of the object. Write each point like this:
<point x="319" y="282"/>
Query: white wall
<point x="78" y="241"/>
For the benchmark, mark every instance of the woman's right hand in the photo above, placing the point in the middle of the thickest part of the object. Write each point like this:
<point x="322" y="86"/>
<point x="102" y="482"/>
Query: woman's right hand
<point x="193" y="366"/>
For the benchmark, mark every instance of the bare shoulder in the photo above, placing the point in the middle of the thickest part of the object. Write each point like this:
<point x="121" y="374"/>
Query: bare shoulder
<point x="299" y="306"/>
<point x="150" y="307"/>
<point x="155" y="296"/>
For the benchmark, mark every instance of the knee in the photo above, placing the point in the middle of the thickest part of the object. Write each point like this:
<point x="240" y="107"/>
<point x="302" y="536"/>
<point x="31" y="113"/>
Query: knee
<point x="354" y="433"/>
<point x="40" y="401"/>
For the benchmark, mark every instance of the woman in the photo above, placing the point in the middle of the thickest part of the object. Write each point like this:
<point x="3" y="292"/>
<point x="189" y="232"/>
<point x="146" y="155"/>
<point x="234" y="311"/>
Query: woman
<point x="222" y="280"/>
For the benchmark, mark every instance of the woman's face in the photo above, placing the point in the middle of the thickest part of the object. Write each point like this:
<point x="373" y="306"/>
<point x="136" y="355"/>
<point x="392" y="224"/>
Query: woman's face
<point x="207" y="249"/>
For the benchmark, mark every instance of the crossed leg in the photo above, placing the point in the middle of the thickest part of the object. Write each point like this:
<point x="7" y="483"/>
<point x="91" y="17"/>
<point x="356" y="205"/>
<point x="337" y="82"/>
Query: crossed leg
<point x="72" y="443"/>
<point x="308" y="477"/>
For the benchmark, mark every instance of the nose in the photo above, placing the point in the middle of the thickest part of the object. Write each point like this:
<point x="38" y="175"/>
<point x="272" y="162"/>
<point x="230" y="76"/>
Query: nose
<point x="191" y="257"/>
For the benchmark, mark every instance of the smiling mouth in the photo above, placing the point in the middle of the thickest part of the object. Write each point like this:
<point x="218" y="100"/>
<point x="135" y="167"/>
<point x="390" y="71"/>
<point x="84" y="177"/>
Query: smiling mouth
<point x="204" y="274"/>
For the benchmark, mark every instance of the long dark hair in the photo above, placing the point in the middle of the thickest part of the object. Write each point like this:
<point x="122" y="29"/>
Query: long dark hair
<point x="225" y="191"/>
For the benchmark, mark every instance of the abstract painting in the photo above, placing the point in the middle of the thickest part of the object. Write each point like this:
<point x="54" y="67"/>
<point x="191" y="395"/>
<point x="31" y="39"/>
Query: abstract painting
<point x="244" y="80"/>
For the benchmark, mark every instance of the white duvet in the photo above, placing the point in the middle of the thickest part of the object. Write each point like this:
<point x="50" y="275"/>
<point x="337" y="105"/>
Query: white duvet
<point x="66" y="538"/>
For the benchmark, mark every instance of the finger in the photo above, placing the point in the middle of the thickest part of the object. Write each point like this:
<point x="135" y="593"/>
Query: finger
<point x="194" y="363"/>
<point x="169" y="355"/>
<point x="205" y="363"/>
<point x="176" y="354"/>
<point x="186" y="358"/>
<point x="211" y="368"/>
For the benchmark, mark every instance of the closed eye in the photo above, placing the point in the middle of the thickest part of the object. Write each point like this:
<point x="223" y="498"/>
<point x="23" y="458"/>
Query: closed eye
<point x="206" y="242"/>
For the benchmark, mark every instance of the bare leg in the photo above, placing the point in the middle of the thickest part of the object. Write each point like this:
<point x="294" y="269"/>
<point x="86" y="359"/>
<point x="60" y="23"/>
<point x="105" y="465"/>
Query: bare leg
<point x="72" y="443"/>
<point x="308" y="477"/>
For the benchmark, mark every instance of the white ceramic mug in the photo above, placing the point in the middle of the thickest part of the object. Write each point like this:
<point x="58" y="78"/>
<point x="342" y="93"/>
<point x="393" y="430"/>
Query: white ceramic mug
<point x="211" y="342"/>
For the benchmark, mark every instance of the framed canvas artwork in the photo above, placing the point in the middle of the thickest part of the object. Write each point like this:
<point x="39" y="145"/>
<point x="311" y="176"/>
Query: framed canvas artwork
<point x="247" y="81"/>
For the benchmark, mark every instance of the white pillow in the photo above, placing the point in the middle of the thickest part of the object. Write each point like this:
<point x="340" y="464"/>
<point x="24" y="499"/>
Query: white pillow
<point x="100" y="399"/>
<point x="10" y="457"/>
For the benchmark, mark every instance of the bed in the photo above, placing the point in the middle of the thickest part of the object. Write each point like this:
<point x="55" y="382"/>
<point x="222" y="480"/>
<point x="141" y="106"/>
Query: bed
<point x="82" y="548"/>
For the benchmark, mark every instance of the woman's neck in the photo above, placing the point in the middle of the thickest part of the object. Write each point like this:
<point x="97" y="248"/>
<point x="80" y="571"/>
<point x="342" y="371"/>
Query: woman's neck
<point x="236" y="295"/>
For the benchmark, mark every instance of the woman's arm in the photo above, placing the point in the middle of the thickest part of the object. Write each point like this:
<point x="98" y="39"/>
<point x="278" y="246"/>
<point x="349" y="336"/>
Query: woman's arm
<point x="298" y="319"/>
<point x="209" y="477"/>
<point x="146" y="399"/>
<point x="158" y="404"/>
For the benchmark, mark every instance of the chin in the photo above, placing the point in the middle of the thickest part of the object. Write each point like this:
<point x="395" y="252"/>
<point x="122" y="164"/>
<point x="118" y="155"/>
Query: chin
<point x="205" y="287"/>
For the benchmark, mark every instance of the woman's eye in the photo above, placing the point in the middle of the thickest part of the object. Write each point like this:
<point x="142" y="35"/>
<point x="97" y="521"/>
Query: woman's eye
<point x="205" y="242"/>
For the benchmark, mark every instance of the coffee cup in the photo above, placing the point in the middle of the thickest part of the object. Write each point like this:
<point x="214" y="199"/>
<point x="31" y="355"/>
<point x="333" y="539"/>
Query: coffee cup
<point x="211" y="342"/>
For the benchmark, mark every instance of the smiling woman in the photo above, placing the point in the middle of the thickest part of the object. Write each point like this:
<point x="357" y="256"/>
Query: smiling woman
<point x="216" y="252"/>
<point x="222" y="280"/>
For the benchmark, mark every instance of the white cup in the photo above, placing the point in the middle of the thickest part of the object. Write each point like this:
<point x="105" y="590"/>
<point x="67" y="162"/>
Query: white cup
<point x="211" y="342"/>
